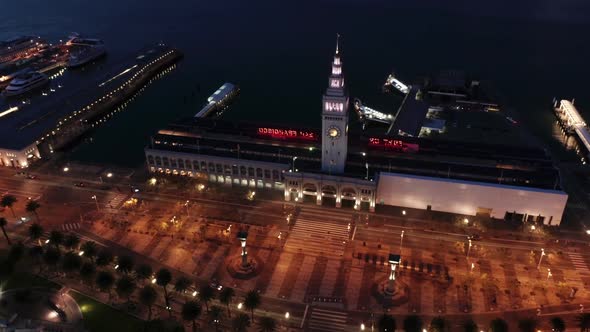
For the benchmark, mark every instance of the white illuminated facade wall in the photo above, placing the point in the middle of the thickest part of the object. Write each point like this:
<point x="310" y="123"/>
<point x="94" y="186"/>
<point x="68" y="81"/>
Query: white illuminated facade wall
<point x="470" y="198"/>
<point x="335" y="121"/>
<point x="19" y="158"/>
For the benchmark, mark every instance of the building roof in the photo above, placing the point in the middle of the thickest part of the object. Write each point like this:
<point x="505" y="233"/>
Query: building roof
<point x="410" y="115"/>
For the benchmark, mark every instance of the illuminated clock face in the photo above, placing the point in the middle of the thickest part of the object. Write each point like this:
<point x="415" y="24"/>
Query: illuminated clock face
<point x="334" y="132"/>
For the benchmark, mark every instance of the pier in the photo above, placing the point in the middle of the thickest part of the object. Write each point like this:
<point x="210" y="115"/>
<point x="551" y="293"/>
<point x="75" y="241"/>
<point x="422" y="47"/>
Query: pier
<point x="573" y="123"/>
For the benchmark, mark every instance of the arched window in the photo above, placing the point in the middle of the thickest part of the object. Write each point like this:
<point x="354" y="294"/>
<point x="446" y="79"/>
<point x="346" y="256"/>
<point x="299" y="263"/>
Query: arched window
<point x="158" y="161"/>
<point x="259" y="172"/>
<point x="196" y="165"/>
<point x="166" y="162"/>
<point x="150" y="159"/>
<point x="180" y="163"/>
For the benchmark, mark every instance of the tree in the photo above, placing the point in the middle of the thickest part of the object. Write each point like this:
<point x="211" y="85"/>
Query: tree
<point x="105" y="281"/>
<point x="36" y="253"/>
<point x="240" y="323"/>
<point x="215" y="314"/>
<point x="527" y="325"/>
<point x="51" y="257"/>
<point x="32" y="207"/>
<point x="470" y="326"/>
<point x="386" y="323"/>
<point x="557" y="324"/>
<point x="163" y="278"/>
<point x="89" y="249"/>
<point x="104" y="257"/>
<point x="87" y="272"/>
<point x="71" y="241"/>
<point x="413" y="323"/>
<point x="225" y="297"/>
<point x="125" y="287"/>
<point x="125" y="264"/>
<point x="8" y="201"/>
<point x="498" y="325"/>
<point x="191" y="310"/>
<point x="252" y="301"/>
<point x="584" y="322"/>
<point x="206" y="294"/>
<point x="267" y="324"/>
<point x="56" y="238"/>
<point x="438" y="324"/>
<point x="3" y="223"/>
<point x="147" y="297"/>
<point x="143" y="271"/>
<point x="71" y="262"/>
<point x="182" y="284"/>
<point x="35" y="232"/>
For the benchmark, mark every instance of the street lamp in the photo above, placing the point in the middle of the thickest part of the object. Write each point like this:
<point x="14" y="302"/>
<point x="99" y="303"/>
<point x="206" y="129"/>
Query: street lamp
<point x="96" y="201"/>
<point x="66" y="169"/>
<point x="401" y="242"/>
<point x="469" y="249"/>
<point x="549" y="274"/>
<point x="541" y="259"/>
<point x="287" y="315"/>
<point x="362" y="326"/>
<point x="109" y="175"/>
<point x="472" y="266"/>
<point x="153" y="181"/>
<point x="588" y="231"/>
<point x="293" y="166"/>
<point x="240" y="305"/>
<point x="242" y="236"/>
<point x="187" y="210"/>
<point x="466" y="221"/>
<point x="404" y="212"/>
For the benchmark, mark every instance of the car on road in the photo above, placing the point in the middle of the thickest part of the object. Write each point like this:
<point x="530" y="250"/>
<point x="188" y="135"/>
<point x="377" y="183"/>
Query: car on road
<point x="215" y="285"/>
<point x="474" y="237"/>
<point x="79" y="184"/>
<point x="32" y="176"/>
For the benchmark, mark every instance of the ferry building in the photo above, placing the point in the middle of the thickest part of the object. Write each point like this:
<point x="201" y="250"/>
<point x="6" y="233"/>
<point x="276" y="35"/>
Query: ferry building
<point x="357" y="170"/>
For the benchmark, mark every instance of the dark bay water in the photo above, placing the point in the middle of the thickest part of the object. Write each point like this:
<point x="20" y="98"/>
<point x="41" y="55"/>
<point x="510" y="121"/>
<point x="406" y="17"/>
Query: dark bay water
<point x="279" y="52"/>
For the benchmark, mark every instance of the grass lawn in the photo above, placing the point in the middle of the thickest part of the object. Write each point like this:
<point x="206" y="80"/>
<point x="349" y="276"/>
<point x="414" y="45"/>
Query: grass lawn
<point x="100" y="317"/>
<point x="22" y="279"/>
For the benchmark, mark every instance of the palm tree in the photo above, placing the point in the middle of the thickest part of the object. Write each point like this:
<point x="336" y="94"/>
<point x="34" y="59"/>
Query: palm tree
<point x="35" y="232"/>
<point x="3" y="224"/>
<point x="267" y="324"/>
<point x="191" y="310"/>
<point x="51" y="257"/>
<point x="147" y="297"/>
<point x="143" y="271"/>
<point x="125" y="264"/>
<point x="89" y="249"/>
<point x="241" y="323"/>
<point x="105" y="281"/>
<point x="8" y="201"/>
<point x="104" y="257"/>
<point x="163" y="278"/>
<point x="527" y="325"/>
<point x="56" y="238"/>
<point x="36" y="253"/>
<point x="252" y="301"/>
<point x="386" y="323"/>
<point x="470" y="326"/>
<point x="32" y="207"/>
<point x="71" y="241"/>
<point x="87" y="272"/>
<point x="225" y="297"/>
<point x="71" y="262"/>
<point x="206" y="294"/>
<point x="438" y="324"/>
<point x="413" y="323"/>
<point x="125" y="287"/>
<point x="182" y="284"/>
<point x="498" y="325"/>
<point x="557" y="324"/>
<point x="584" y="322"/>
<point x="216" y="313"/>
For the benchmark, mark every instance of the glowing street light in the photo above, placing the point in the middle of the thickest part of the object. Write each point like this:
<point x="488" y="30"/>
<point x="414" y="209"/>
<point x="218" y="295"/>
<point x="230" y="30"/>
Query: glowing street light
<point x="469" y="249"/>
<point x="96" y="201"/>
<point x="153" y="280"/>
<point x="66" y="169"/>
<point x="240" y="305"/>
<point x="109" y="175"/>
<point x="362" y="326"/>
<point x="549" y="274"/>
<point x="79" y="254"/>
<point x="401" y="242"/>
<point x="287" y="315"/>
<point x="466" y="221"/>
<point x="153" y="181"/>
<point x="404" y="212"/>
<point x="541" y="259"/>
<point x="588" y="231"/>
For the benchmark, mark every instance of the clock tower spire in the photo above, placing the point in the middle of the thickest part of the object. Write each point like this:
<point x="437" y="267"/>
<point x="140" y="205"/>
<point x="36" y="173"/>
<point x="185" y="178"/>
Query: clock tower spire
<point x="335" y="119"/>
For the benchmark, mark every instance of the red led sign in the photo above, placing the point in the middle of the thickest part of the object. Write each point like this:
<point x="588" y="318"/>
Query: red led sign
<point x="286" y="133"/>
<point x="394" y="144"/>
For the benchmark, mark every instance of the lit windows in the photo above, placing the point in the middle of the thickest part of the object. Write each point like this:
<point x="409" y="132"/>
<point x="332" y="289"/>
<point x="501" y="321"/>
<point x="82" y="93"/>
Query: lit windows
<point x="334" y="107"/>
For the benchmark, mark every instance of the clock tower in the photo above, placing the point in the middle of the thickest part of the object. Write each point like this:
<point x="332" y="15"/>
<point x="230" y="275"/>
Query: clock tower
<point x="335" y="120"/>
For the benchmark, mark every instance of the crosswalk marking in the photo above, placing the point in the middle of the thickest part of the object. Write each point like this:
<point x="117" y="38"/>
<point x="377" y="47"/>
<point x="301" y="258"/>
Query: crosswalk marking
<point x="70" y="227"/>
<point x="316" y="237"/>
<point x="579" y="263"/>
<point x="327" y="320"/>
<point x="116" y="201"/>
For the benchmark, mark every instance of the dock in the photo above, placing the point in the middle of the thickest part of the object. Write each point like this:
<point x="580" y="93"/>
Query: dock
<point x="75" y="102"/>
<point x="572" y="122"/>
<point x="219" y="100"/>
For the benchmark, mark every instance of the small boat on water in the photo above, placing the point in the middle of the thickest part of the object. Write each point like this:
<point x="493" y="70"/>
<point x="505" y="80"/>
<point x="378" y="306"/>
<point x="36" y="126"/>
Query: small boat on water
<point x="25" y="82"/>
